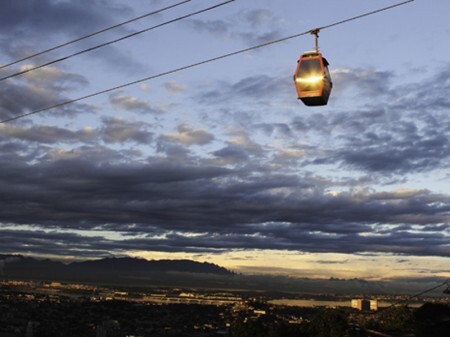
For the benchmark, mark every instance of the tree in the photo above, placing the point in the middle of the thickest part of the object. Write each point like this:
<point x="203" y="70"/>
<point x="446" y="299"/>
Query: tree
<point x="432" y="319"/>
<point x="329" y="323"/>
<point x="250" y="329"/>
<point x="397" y="318"/>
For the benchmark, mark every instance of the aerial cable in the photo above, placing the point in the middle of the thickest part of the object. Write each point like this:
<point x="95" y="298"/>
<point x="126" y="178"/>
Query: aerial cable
<point x="312" y="78"/>
<point x="411" y="297"/>
<point x="194" y="65"/>
<point x="95" y="33"/>
<point x="114" y="41"/>
<point x="362" y="15"/>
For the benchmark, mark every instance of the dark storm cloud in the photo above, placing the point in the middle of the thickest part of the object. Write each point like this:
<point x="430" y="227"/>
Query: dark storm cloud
<point x="39" y="242"/>
<point x="112" y="130"/>
<point x="232" y="154"/>
<point x="330" y="262"/>
<point x="174" y="152"/>
<point x="396" y="146"/>
<point x="239" y="150"/>
<point x="115" y="130"/>
<point x="31" y="26"/>
<point x="41" y="89"/>
<point x="80" y="246"/>
<point x="224" y="208"/>
<point x="51" y="15"/>
<point x="291" y="238"/>
<point x="45" y="134"/>
<point x="421" y="155"/>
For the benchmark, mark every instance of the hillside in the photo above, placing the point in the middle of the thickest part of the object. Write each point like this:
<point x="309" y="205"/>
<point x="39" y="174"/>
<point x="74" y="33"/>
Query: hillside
<point x="117" y="270"/>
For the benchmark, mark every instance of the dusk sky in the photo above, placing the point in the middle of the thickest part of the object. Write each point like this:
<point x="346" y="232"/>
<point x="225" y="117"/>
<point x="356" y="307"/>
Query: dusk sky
<point x="221" y="162"/>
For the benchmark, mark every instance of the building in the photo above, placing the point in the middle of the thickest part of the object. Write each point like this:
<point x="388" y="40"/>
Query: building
<point x="361" y="304"/>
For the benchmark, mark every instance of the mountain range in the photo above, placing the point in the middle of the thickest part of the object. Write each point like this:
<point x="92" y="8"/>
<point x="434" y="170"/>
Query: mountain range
<point x="126" y="271"/>
<point x="113" y="270"/>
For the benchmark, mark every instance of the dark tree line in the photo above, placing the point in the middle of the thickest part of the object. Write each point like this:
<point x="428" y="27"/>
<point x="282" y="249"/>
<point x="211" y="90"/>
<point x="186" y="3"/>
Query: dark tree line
<point x="430" y="320"/>
<point x="326" y="323"/>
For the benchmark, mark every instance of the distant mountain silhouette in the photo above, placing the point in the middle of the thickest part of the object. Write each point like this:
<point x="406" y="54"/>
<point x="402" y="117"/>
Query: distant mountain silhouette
<point x="186" y="273"/>
<point x="104" y="270"/>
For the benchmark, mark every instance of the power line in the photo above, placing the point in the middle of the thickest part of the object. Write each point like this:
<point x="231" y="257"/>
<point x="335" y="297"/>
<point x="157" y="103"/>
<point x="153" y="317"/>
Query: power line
<point x="196" y="64"/>
<point x="93" y="34"/>
<point x="364" y="15"/>
<point x="409" y="298"/>
<point x="114" y="41"/>
<point x="445" y="283"/>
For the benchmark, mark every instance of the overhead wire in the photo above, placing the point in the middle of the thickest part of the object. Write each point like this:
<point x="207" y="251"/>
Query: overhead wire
<point x="272" y="42"/>
<point x="114" y="41"/>
<point x="411" y="297"/>
<point x="94" y="34"/>
<point x="364" y="15"/>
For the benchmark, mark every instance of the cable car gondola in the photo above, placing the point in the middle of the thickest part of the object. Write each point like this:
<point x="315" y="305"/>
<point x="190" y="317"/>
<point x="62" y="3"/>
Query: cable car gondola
<point x="312" y="78"/>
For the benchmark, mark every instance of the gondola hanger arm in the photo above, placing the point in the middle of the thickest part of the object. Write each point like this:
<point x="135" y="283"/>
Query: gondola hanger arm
<point x="315" y="32"/>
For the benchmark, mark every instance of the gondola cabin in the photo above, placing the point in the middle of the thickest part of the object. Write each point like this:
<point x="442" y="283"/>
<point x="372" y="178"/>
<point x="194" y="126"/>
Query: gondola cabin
<point x="312" y="79"/>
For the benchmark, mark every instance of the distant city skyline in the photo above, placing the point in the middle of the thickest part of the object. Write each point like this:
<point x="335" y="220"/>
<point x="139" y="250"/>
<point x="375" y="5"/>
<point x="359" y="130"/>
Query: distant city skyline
<point x="221" y="162"/>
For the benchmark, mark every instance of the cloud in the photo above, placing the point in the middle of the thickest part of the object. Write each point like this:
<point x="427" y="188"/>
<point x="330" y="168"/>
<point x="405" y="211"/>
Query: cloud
<point x="229" y="209"/>
<point x="53" y="78"/>
<point x="188" y="136"/>
<point x="31" y="21"/>
<point x="259" y="17"/>
<point x="402" y="136"/>
<point x="330" y="262"/>
<point x="239" y="149"/>
<point x="39" y="90"/>
<point x="231" y="155"/>
<point x="45" y="134"/>
<point x="112" y="130"/>
<point x="262" y="19"/>
<point x="289" y="154"/>
<point x="283" y="129"/>
<point x="175" y="88"/>
<point x="28" y="20"/>
<point x="251" y="170"/>
<point x="117" y="130"/>
<point x="231" y="198"/>
<point x="219" y="28"/>
<point x="48" y="243"/>
<point x="387" y="144"/>
<point x="50" y="15"/>
<point x="368" y="82"/>
<point x="258" y="88"/>
<point x="132" y="104"/>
